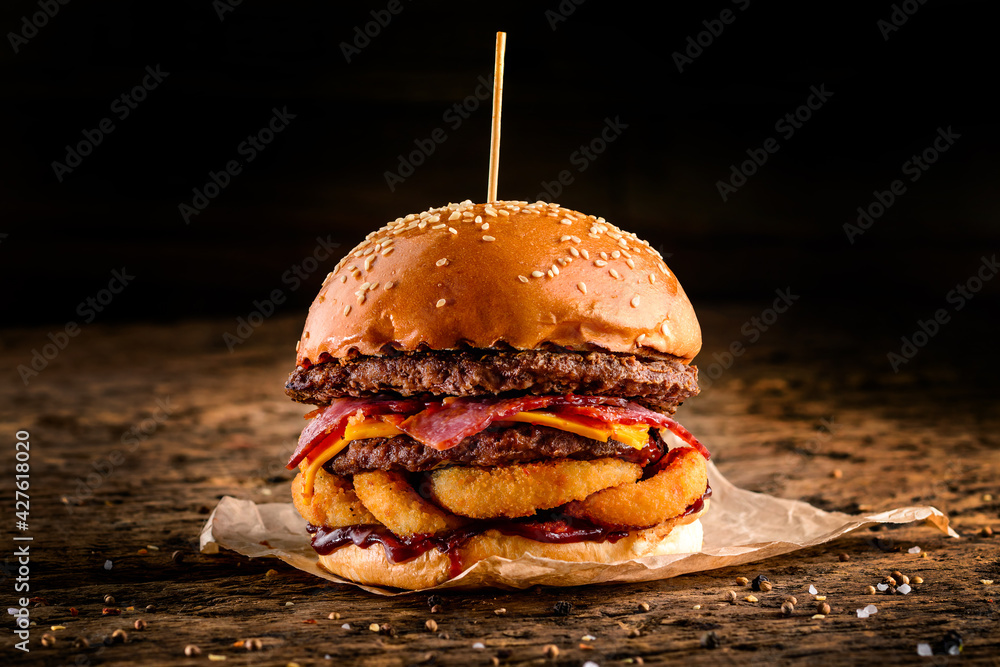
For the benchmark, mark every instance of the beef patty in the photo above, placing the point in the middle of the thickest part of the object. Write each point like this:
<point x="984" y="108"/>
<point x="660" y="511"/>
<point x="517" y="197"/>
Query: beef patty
<point x="659" y="384"/>
<point x="496" y="446"/>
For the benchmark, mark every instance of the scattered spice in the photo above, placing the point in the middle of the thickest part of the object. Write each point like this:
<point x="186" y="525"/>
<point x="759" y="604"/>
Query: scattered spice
<point x="270" y="573"/>
<point x="119" y="636"/>
<point x="986" y="531"/>
<point x="500" y="612"/>
<point x="790" y="598"/>
<point x="562" y="608"/>
<point x="436" y="609"/>
<point x="431" y="625"/>
<point x="750" y="598"/>
<point x="820" y="598"/>
<point x="766" y="586"/>
<point x="333" y="616"/>
<point x="731" y="597"/>
<point x="952" y="643"/>
<point x="913" y="550"/>
<point x="150" y="607"/>
<point x="787" y="608"/>
<point x="191" y="650"/>
<point x="812" y="590"/>
<point x="986" y="582"/>
<point x="633" y="633"/>
<point x="111" y="611"/>
<point x="73" y="611"/>
<point x="177" y="557"/>
<point x="81" y="642"/>
<point x="215" y="657"/>
<point x="253" y="644"/>
<point x="374" y="627"/>
<point x="109" y="599"/>
<point x="644" y="606"/>
<point x="917" y="580"/>
<point x="843" y="558"/>
<point x="551" y="651"/>
<point x="817" y="617"/>
<point x="757" y="581"/>
<point x="897" y="575"/>
<point x="139" y="624"/>
<point x="823" y="608"/>
<point x="889" y="581"/>
<point x="742" y="581"/>
<point x="710" y="640"/>
<point x="434" y="601"/>
<point x="870" y="590"/>
<point x="48" y="640"/>
<point x="837" y="473"/>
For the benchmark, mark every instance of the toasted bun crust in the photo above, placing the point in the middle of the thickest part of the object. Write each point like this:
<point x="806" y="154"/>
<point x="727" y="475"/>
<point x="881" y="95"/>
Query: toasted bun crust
<point x="370" y="566"/>
<point x="535" y="276"/>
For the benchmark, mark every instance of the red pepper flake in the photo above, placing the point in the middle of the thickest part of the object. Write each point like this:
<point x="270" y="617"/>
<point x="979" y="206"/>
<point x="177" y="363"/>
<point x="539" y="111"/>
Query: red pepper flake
<point x="111" y="611"/>
<point x="310" y="621"/>
<point x="73" y="611"/>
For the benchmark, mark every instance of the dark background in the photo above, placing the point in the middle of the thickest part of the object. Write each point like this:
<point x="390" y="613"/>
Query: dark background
<point x="325" y="174"/>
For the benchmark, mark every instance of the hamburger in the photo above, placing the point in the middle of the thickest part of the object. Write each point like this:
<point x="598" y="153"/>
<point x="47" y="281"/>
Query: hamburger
<point x="496" y="380"/>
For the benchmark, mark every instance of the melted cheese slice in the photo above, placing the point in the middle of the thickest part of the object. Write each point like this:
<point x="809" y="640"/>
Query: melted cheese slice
<point x="636" y="436"/>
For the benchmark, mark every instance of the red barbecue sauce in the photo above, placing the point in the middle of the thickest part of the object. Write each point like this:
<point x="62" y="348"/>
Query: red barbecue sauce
<point x="553" y="530"/>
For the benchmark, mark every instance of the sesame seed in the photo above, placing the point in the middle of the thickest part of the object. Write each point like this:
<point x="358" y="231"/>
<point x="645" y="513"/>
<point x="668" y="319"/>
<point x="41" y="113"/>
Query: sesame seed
<point x="479" y="219"/>
<point x="640" y="339"/>
<point x="573" y="251"/>
<point x="347" y="309"/>
<point x="504" y="212"/>
<point x="604" y="255"/>
<point x="635" y="301"/>
<point x="550" y="274"/>
<point x="364" y="286"/>
<point x="439" y="226"/>
<point x="593" y="236"/>
<point x="585" y="253"/>
<point x="489" y="238"/>
<point x="422" y="224"/>
<point x="343" y="279"/>
<point x="373" y="287"/>
<point x="388" y="251"/>
<point x="553" y="214"/>
<point x="455" y="215"/>
<point x="490" y="212"/>
<point x="563" y="239"/>
<point x="616" y="254"/>
<point x="389" y="285"/>
<point x="562" y="261"/>
<point x="652" y="277"/>
<point x="441" y="262"/>
<point x="367" y="251"/>
<point x="485" y="226"/>
<point x="297" y="343"/>
<point x="622" y="243"/>
<point x="630" y="262"/>
<point x="369" y="262"/>
<point x="453" y="230"/>
<point x="600" y="262"/>
<point x="555" y="269"/>
<point x="565" y="221"/>
<point x="582" y="287"/>
<point x="665" y="329"/>
<point x="537" y="274"/>
<point x="440" y="303"/>
<point x="614" y="274"/>
<point x="523" y="279"/>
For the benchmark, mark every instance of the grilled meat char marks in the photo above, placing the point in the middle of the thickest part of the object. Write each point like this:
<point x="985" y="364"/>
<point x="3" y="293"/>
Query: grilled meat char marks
<point x="660" y="384"/>
<point x="498" y="445"/>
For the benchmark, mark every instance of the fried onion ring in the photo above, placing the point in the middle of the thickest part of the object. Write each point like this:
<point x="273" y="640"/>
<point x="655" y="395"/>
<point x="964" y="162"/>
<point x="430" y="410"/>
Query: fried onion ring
<point x="333" y="502"/>
<point x="651" y="501"/>
<point x="395" y="503"/>
<point x="519" y="490"/>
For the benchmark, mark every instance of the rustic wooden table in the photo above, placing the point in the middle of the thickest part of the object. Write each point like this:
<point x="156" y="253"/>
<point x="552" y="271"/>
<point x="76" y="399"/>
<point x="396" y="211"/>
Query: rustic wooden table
<point x="137" y="430"/>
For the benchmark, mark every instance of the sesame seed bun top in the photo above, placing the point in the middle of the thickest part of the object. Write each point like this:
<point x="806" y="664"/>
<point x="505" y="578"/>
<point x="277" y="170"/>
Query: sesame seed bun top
<point x="506" y="274"/>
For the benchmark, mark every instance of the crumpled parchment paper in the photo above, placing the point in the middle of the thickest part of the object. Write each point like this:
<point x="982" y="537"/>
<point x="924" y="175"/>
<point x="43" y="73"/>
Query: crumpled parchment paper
<point x="740" y="527"/>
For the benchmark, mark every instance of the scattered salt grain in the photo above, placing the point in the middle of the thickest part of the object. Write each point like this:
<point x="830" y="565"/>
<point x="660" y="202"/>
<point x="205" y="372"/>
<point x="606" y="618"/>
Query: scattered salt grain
<point x="479" y="646"/>
<point x="862" y="613"/>
<point x="882" y="587"/>
<point x="346" y="626"/>
<point x="904" y="589"/>
<point x="924" y="650"/>
<point x="871" y="609"/>
<point x="913" y="550"/>
<point x="588" y="638"/>
<point x="590" y="663"/>
<point x="812" y="590"/>
<point x="107" y="565"/>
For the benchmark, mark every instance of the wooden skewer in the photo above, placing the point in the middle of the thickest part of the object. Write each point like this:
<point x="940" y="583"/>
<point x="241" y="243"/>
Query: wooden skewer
<point x="491" y="195"/>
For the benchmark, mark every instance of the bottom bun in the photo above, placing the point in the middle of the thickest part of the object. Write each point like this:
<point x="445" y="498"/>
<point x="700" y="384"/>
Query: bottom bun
<point x="371" y="566"/>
